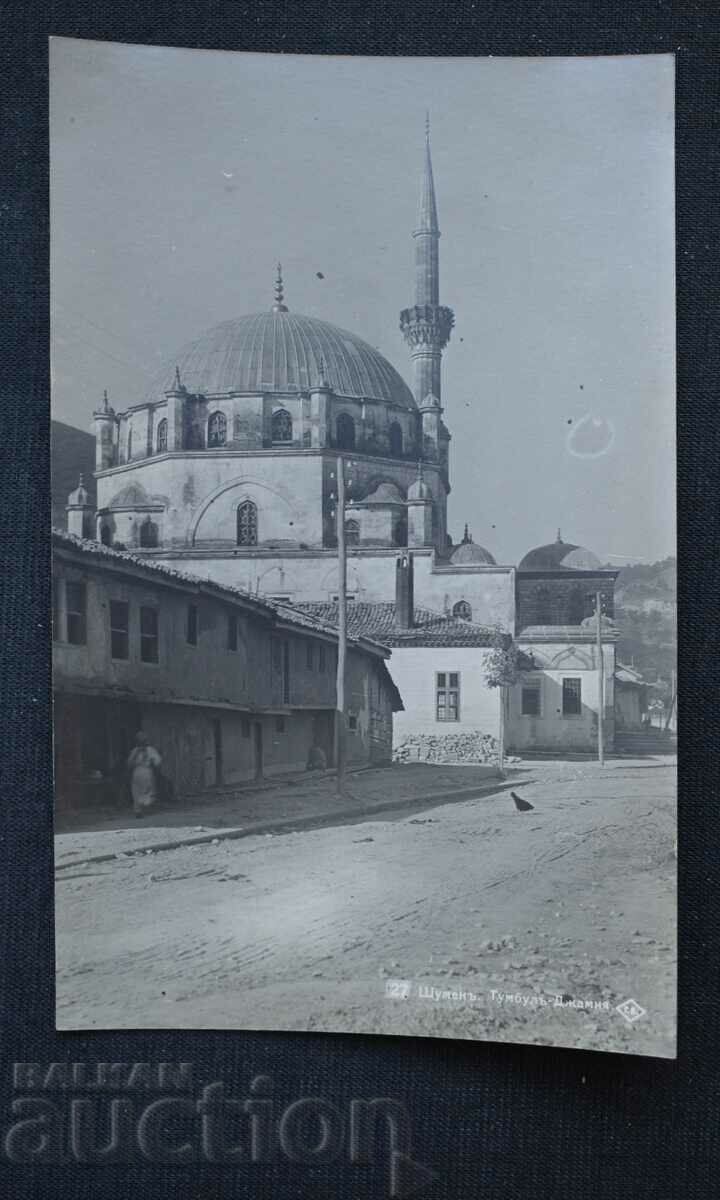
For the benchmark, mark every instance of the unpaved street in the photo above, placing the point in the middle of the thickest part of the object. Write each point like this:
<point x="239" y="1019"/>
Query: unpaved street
<point x="303" y="930"/>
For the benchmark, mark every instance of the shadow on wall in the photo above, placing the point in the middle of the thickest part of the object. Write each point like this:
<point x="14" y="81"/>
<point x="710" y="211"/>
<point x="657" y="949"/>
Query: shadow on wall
<point x="557" y="718"/>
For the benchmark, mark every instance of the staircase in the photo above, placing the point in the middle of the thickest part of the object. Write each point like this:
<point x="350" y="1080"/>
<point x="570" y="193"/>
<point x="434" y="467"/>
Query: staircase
<point x="640" y="742"/>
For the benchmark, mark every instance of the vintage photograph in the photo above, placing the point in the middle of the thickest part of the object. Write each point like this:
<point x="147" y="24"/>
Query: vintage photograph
<point x="363" y="530"/>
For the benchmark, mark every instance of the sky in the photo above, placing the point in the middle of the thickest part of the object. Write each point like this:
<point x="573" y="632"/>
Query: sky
<point x="180" y="177"/>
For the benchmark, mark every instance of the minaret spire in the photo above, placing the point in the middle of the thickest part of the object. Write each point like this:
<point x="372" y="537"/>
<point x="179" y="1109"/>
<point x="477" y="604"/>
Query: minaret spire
<point x="427" y="325"/>
<point x="427" y="213"/>
<point x="278" y="306"/>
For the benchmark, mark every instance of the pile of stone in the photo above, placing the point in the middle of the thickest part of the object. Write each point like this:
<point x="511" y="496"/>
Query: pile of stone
<point x="470" y="747"/>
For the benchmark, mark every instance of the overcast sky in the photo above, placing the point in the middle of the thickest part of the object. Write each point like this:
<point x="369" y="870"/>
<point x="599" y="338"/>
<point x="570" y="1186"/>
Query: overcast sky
<point x="180" y="177"/>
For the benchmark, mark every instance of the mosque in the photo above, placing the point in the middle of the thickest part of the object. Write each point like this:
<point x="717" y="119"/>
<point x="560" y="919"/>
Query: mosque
<point x="226" y="469"/>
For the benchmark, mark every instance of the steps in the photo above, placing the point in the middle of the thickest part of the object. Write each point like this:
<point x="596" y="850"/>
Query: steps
<point x="645" y="741"/>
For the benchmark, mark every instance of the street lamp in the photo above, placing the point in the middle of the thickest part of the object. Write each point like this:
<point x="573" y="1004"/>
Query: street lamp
<point x="342" y="484"/>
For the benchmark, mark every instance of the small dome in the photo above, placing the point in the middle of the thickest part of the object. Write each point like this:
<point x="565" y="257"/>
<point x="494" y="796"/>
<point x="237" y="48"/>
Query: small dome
<point x="560" y="556"/>
<point x="469" y="553"/>
<point x="79" y="496"/>
<point x="385" y="493"/>
<point x="419" y="489"/>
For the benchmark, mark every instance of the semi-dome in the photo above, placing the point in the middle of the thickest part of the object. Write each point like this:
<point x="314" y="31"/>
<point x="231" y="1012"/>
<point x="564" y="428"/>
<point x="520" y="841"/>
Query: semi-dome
<point x="560" y="556"/>
<point x="280" y="351"/>
<point x="469" y="553"/>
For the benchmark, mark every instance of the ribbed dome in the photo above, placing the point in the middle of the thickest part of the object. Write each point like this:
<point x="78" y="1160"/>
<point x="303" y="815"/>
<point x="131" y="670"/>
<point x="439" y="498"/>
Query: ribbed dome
<point x="279" y="351"/>
<point x="560" y="556"/>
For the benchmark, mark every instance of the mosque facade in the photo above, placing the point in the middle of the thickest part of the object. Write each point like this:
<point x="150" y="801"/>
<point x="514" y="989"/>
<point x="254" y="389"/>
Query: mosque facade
<point x="226" y="469"/>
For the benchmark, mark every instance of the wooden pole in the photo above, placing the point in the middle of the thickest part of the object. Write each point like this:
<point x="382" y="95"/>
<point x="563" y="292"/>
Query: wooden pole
<point x="601" y="680"/>
<point x="342" y="630"/>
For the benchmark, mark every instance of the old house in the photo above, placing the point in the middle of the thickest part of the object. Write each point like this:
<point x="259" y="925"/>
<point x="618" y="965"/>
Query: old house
<point x="228" y="687"/>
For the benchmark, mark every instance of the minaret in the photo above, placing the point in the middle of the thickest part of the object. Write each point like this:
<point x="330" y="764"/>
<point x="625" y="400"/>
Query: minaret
<point x="426" y="326"/>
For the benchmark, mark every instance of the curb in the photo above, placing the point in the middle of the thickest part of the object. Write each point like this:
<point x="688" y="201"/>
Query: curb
<point x="292" y="824"/>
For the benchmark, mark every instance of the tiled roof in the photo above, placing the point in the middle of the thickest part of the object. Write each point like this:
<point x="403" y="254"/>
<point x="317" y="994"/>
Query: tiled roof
<point x="379" y="621"/>
<point x="263" y="607"/>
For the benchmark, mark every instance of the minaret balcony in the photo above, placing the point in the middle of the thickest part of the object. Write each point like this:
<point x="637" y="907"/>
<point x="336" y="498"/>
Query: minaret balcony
<point x="427" y="325"/>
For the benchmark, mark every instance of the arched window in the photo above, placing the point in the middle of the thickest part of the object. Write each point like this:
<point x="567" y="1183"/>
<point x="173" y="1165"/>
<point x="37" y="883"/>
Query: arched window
<point x="247" y="524"/>
<point x="352" y="532"/>
<point x="149" y="533"/>
<point x="345" y="432"/>
<point x="396" y="440"/>
<point x="217" y="429"/>
<point x="281" y="426"/>
<point x="462" y="610"/>
<point x="161" y="442"/>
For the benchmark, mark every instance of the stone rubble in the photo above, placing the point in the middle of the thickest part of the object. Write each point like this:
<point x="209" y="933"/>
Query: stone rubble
<point x="470" y="747"/>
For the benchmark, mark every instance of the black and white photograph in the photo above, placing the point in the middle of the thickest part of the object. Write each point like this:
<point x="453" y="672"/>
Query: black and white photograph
<point x="364" y="650"/>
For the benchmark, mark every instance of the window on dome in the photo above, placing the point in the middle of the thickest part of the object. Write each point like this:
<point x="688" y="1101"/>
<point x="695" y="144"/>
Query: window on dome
<point x="396" y="440"/>
<point x="247" y="524"/>
<point x="345" y="432"/>
<point x="217" y="429"/>
<point x="281" y="426"/>
<point x="149" y="533"/>
<point x="462" y="610"/>
<point x="161" y="442"/>
<point x="352" y="533"/>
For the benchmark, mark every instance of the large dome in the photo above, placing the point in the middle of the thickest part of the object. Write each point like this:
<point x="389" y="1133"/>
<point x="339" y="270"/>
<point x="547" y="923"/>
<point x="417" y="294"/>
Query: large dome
<point x="560" y="556"/>
<point x="279" y="351"/>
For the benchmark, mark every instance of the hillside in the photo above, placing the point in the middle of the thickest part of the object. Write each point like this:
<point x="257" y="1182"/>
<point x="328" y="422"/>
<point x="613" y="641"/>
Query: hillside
<point x="646" y="613"/>
<point x="72" y="451"/>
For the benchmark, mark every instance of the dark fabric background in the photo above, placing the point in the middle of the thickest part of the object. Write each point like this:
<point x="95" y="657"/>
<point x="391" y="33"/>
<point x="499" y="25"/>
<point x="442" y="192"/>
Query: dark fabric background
<point x="490" y="1120"/>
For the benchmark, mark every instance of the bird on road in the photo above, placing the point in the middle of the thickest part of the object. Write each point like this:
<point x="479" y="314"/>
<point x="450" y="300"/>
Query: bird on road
<point x="520" y="804"/>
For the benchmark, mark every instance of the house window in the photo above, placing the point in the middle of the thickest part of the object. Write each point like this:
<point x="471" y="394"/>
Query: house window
<point x="76" y="612"/>
<point x="321" y="658"/>
<point x="217" y="429"/>
<point x="245" y="727"/>
<point x="247" y="524"/>
<point x="396" y="440"/>
<point x="530" y="699"/>
<point x="232" y="631"/>
<point x="191" y="632"/>
<point x="352" y="533"/>
<point x="281" y="426"/>
<point x="352" y="724"/>
<point x="149" y="627"/>
<point x="309" y="656"/>
<point x="345" y="432"/>
<point x="462" y="610"/>
<point x="447" y="696"/>
<point x="161" y="440"/>
<point x="119" y="629"/>
<point x="149" y="533"/>
<point x="572" y="697"/>
<point x="279" y="724"/>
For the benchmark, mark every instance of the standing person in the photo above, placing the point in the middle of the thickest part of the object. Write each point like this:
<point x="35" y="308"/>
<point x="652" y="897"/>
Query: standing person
<point x="144" y="764"/>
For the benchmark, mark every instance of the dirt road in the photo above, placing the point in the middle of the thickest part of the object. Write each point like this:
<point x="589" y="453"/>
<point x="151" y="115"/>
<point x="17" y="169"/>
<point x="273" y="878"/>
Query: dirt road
<point x="468" y="920"/>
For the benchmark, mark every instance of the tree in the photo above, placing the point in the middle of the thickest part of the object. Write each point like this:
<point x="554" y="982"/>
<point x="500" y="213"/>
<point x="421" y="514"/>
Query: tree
<point x="501" y="671"/>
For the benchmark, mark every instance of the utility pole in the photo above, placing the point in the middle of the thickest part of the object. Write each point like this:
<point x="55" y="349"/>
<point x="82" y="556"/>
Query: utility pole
<point x="601" y="679"/>
<point x="342" y="629"/>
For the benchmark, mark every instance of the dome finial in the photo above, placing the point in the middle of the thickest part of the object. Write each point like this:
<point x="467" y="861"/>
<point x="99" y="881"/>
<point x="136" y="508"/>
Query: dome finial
<point x="106" y="402"/>
<point x="278" y="306"/>
<point x="178" y="381"/>
<point x="558" y="539"/>
<point x="466" y="536"/>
